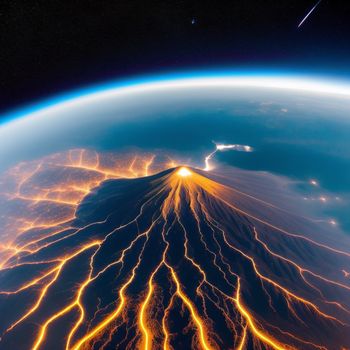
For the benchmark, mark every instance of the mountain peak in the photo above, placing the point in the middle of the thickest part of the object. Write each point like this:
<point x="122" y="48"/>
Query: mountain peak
<point x="167" y="257"/>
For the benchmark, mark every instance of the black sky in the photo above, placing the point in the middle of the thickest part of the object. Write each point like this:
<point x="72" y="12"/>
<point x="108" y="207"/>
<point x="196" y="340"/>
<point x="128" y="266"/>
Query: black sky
<point x="51" y="46"/>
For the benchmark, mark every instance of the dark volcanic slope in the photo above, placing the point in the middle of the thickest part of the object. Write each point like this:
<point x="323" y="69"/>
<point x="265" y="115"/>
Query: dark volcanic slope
<point x="174" y="260"/>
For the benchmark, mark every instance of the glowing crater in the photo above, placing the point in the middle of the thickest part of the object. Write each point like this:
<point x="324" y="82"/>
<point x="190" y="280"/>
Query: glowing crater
<point x="184" y="172"/>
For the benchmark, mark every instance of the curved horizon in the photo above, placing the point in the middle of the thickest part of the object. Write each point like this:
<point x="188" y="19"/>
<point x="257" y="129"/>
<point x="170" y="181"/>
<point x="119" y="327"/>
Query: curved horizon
<point x="205" y="79"/>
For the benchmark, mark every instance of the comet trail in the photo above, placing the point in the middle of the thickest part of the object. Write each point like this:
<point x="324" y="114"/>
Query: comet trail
<point x="309" y="13"/>
<point x="132" y="251"/>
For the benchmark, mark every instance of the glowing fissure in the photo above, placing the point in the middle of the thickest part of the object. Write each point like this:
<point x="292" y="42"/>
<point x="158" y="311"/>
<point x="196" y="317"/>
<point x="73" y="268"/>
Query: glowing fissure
<point x="173" y="258"/>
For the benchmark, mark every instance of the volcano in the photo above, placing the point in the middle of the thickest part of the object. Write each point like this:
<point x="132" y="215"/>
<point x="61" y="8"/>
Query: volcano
<point x="174" y="258"/>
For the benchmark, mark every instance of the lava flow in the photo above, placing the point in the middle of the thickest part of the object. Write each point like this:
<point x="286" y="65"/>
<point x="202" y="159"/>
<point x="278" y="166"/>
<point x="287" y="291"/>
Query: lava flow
<point x="138" y="253"/>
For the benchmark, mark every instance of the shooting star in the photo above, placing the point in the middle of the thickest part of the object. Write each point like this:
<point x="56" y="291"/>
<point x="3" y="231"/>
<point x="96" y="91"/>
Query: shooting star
<point x="309" y="13"/>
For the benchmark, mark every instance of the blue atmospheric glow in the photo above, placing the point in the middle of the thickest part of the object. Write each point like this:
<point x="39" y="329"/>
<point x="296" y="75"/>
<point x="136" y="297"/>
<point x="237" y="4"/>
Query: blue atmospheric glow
<point x="149" y="79"/>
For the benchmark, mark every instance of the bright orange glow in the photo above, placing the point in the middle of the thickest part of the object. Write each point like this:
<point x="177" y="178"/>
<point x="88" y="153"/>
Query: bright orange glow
<point x="147" y="342"/>
<point x="263" y="336"/>
<point x="197" y="320"/>
<point x="184" y="172"/>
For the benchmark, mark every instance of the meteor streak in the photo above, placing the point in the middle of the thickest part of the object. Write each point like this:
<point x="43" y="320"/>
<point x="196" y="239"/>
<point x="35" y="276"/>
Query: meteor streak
<point x="131" y="252"/>
<point x="309" y="13"/>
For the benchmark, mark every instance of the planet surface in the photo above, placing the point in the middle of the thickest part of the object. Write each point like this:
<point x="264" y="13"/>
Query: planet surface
<point x="190" y="213"/>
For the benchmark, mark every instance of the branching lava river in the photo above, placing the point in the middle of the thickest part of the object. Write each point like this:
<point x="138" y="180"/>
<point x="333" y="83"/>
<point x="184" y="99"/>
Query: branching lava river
<point x="135" y="252"/>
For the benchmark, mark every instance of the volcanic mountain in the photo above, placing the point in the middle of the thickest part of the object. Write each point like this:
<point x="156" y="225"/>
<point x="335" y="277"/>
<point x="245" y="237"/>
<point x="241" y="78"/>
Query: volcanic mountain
<point x="180" y="259"/>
